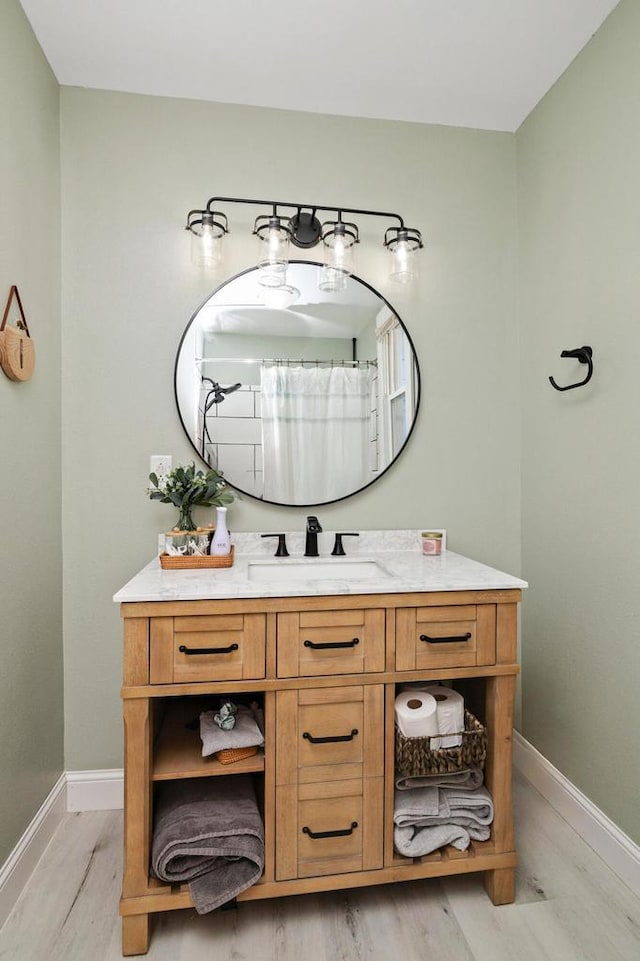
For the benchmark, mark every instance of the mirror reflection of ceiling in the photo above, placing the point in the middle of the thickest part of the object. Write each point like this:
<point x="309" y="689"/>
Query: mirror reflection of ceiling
<point x="301" y="404"/>
<point x="311" y="311"/>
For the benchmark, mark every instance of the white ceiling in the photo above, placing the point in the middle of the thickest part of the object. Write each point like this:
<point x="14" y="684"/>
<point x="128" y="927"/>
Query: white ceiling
<point x="470" y="63"/>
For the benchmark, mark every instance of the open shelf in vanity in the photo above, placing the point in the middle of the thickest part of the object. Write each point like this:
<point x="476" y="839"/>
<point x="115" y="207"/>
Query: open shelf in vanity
<point x="311" y="689"/>
<point x="177" y="751"/>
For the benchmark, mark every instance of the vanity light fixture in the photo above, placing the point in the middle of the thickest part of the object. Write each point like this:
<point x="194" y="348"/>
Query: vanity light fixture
<point x="273" y="253"/>
<point x="402" y="243"/>
<point x="299" y="225"/>
<point x="206" y="238"/>
<point x="339" y="239"/>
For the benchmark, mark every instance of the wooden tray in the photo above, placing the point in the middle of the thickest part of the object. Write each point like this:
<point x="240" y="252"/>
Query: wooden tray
<point x="169" y="562"/>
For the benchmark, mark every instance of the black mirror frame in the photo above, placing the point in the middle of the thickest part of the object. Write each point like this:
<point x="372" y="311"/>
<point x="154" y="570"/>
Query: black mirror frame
<point x="335" y="500"/>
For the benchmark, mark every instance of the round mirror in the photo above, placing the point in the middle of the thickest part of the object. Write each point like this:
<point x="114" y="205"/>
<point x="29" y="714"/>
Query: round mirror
<point x="301" y="396"/>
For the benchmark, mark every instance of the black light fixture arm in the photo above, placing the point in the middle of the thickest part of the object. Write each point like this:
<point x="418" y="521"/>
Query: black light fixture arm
<point x="301" y="221"/>
<point x="299" y="207"/>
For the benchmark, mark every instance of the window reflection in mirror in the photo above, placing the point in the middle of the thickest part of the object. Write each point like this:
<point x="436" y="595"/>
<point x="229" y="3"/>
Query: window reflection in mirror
<point x="299" y="396"/>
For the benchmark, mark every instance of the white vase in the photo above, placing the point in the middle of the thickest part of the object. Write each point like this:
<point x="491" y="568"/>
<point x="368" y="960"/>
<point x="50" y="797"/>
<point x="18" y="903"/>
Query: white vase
<point x="221" y="542"/>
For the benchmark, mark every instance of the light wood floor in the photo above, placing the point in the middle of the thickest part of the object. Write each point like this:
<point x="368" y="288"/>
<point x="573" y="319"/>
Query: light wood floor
<point x="569" y="907"/>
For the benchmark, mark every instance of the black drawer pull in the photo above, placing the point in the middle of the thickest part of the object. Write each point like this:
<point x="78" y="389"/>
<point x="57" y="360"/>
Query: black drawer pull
<point x="330" y="740"/>
<point x="324" y="646"/>
<point x="207" y="650"/>
<point x="330" y="834"/>
<point x="445" y="640"/>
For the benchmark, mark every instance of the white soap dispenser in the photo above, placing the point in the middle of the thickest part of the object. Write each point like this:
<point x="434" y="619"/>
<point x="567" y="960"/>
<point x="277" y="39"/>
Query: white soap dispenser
<point x="221" y="541"/>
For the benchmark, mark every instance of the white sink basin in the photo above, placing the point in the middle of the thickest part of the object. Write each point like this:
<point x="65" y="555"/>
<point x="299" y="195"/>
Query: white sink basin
<point x="310" y="569"/>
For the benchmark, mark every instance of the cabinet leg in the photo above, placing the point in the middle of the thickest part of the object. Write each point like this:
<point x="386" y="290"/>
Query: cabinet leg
<point x="135" y="934"/>
<point x="501" y="885"/>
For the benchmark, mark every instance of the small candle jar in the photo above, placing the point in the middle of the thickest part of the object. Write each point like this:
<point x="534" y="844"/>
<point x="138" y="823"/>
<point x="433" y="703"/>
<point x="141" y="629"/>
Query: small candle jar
<point x="431" y="542"/>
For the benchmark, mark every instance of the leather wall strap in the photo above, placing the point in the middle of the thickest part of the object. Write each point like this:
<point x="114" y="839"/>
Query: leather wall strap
<point x="15" y="293"/>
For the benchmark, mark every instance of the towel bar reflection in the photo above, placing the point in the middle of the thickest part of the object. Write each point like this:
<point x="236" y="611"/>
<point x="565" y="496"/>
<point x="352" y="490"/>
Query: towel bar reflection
<point x="585" y="356"/>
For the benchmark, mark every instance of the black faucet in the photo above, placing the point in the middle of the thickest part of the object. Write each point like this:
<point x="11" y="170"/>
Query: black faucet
<point x="338" y="547"/>
<point x="281" y="550"/>
<point x="311" y="539"/>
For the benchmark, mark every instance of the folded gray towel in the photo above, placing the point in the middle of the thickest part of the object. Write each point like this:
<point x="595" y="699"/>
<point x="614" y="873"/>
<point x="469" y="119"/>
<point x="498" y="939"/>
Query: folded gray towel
<point x="454" y="806"/>
<point x="476" y="805"/>
<point x="414" y="842"/>
<point x="410" y="806"/>
<point x="245" y="733"/>
<point x="208" y="832"/>
<point x="468" y="780"/>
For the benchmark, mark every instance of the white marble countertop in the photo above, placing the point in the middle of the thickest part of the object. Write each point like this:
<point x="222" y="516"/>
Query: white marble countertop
<point x="377" y="562"/>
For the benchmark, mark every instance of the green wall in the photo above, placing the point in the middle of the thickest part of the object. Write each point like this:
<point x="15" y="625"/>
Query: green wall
<point x="579" y="263"/>
<point x="31" y="696"/>
<point x="132" y="167"/>
<point x="532" y="246"/>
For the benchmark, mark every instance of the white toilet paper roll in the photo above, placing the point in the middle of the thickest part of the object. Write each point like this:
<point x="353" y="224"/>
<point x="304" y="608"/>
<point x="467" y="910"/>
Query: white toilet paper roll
<point x="450" y="714"/>
<point x="416" y="714"/>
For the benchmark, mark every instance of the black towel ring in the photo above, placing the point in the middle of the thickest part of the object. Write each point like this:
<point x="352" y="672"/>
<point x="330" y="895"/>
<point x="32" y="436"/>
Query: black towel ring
<point x="585" y="356"/>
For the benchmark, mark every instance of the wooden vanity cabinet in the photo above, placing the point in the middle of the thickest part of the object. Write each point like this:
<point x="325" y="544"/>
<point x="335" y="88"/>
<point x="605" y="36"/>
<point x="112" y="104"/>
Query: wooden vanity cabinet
<point x="329" y="780"/>
<point x="327" y="670"/>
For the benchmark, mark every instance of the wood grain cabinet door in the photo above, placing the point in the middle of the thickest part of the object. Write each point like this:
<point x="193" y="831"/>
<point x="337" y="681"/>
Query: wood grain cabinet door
<point x="330" y="734"/>
<point x="329" y="828"/>
<point x="441" y="637"/>
<point x="217" y="647"/>
<point x="317" y="643"/>
<point x="329" y="783"/>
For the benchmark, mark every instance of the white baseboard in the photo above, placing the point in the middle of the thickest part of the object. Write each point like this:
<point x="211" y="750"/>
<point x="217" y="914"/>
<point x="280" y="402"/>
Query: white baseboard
<point x="95" y="790"/>
<point x="16" y="870"/>
<point x="615" y="848"/>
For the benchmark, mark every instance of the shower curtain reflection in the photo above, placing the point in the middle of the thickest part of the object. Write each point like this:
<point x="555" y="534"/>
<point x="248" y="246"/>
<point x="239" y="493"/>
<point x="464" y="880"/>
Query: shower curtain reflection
<point x="315" y="432"/>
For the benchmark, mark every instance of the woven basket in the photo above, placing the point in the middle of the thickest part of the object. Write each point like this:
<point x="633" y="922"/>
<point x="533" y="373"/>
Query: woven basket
<point x="229" y="755"/>
<point x="415" y="757"/>
<point x="171" y="562"/>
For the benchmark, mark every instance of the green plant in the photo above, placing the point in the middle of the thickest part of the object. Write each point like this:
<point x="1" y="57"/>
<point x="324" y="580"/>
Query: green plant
<point x="186" y="488"/>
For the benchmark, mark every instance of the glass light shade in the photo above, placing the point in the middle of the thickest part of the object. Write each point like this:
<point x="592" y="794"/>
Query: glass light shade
<point x="338" y="250"/>
<point x="331" y="280"/>
<point x="404" y="265"/>
<point x="273" y="255"/>
<point x="338" y="256"/>
<point x="206" y="246"/>
<point x="279" y="298"/>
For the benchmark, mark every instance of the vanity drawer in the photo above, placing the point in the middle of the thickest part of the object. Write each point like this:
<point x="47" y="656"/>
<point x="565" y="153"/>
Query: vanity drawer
<point x="329" y="828"/>
<point x="219" y="647"/>
<point x="316" y="643"/>
<point x="329" y="734"/>
<point x="441" y="637"/>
